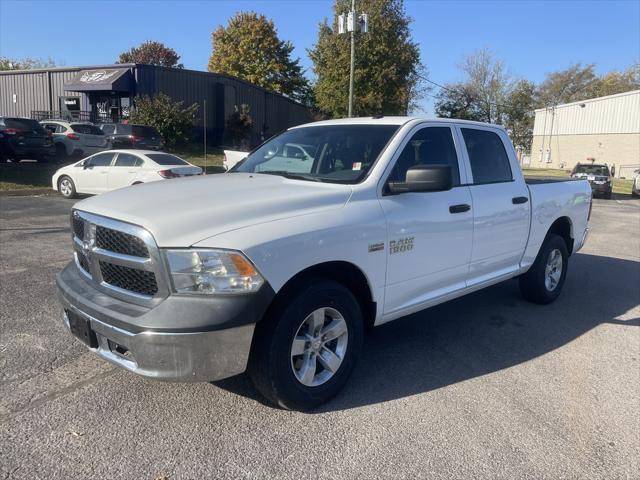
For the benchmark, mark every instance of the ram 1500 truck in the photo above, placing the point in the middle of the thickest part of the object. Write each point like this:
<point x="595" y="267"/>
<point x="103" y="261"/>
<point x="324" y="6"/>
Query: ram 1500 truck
<point x="279" y="266"/>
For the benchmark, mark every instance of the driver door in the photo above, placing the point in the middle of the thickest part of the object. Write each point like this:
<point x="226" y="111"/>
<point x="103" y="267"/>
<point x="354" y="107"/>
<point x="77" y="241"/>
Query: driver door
<point x="429" y="233"/>
<point x="93" y="175"/>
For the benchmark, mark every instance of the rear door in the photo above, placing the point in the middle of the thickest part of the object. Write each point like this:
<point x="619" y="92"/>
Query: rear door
<point x="429" y="233"/>
<point x="124" y="170"/>
<point x="500" y="203"/>
<point x="93" y="176"/>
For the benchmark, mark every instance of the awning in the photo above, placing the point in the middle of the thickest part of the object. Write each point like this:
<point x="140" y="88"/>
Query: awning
<point x="115" y="79"/>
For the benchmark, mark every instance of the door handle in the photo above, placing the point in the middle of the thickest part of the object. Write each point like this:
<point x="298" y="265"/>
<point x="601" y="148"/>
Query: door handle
<point x="463" y="207"/>
<point x="519" y="200"/>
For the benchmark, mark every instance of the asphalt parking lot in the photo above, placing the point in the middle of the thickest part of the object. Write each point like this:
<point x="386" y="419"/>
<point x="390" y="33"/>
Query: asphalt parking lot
<point x="486" y="386"/>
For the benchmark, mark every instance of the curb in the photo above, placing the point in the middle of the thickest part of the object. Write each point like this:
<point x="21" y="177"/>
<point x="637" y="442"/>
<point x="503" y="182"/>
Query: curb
<point x="26" y="192"/>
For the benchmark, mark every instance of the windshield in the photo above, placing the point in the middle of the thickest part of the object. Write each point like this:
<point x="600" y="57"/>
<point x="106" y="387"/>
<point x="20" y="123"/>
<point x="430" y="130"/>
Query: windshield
<point x="325" y="153"/>
<point x="592" y="170"/>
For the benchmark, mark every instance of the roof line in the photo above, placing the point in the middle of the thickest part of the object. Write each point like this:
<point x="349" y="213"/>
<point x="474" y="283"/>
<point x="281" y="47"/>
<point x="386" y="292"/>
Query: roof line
<point x="589" y="100"/>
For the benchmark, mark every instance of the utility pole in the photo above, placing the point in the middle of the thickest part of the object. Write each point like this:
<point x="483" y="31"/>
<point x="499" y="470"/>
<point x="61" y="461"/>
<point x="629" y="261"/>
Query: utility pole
<point x="353" y="23"/>
<point x="353" y="56"/>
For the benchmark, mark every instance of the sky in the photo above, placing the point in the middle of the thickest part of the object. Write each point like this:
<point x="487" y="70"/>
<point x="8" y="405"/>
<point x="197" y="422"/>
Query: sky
<point x="531" y="37"/>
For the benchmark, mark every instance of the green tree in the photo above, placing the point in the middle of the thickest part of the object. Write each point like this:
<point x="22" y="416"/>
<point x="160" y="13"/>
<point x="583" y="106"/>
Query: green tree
<point x="519" y="113"/>
<point x="249" y="48"/>
<point x="565" y="86"/>
<point x="615" y="82"/>
<point x="28" y="63"/>
<point x="387" y="64"/>
<point x="458" y="101"/>
<point x="171" y="118"/>
<point x="151" y="53"/>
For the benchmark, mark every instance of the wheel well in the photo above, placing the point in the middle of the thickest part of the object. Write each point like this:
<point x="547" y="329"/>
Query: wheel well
<point x="341" y="272"/>
<point x="562" y="227"/>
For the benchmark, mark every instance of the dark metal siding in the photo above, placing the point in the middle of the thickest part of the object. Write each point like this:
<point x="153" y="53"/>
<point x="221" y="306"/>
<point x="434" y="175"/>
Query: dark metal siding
<point x="41" y="89"/>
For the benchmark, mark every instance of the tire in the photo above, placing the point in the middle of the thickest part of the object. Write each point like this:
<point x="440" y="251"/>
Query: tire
<point x="540" y="284"/>
<point x="61" y="152"/>
<point x="279" y="374"/>
<point x="66" y="187"/>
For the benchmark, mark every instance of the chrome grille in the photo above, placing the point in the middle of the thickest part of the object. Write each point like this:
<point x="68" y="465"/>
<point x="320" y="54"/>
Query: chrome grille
<point x="121" y="259"/>
<point x="120" y="242"/>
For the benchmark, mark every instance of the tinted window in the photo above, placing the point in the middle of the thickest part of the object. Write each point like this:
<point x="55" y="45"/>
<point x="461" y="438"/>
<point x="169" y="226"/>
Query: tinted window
<point x="429" y="146"/>
<point x="101" y="159"/>
<point x="88" y="129"/>
<point x="50" y="127"/>
<point x="108" y="129"/>
<point x="123" y="129"/>
<point x="488" y="158"/>
<point x="166" y="159"/>
<point x="142" y="131"/>
<point x="127" y="160"/>
<point x="24" y="125"/>
<point x="329" y="153"/>
<point x="591" y="170"/>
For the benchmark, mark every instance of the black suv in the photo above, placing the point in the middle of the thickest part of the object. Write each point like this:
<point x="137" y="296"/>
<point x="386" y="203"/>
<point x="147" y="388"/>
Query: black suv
<point x="598" y="175"/>
<point x="126" y="135"/>
<point x="24" y="138"/>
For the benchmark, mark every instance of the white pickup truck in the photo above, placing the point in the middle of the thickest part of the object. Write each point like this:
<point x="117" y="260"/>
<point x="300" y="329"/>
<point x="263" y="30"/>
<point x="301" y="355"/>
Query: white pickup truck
<point x="278" y="266"/>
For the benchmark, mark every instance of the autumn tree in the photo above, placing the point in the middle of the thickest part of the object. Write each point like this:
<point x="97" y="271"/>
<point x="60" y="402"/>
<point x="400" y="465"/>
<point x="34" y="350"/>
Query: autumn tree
<point x="565" y="86"/>
<point x="249" y="48"/>
<point x="519" y="113"/>
<point x="151" y="53"/>
<point x="387" y="62"/>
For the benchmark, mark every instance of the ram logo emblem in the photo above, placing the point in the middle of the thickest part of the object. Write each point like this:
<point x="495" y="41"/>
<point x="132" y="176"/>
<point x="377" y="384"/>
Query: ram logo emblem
<point x="401" y="245"/>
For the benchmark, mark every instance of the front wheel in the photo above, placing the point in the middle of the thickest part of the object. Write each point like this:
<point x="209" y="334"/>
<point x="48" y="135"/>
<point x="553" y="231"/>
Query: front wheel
<point x="544" y="280"/>
<point x="66" y="187"/>
<point x="305" y="350"/>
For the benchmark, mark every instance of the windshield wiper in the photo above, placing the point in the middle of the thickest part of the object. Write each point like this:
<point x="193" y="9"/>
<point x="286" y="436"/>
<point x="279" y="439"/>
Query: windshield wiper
<point x="293" y="176"/>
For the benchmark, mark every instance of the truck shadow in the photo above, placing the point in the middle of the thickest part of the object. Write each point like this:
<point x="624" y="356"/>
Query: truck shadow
<point x="482" y="333"/>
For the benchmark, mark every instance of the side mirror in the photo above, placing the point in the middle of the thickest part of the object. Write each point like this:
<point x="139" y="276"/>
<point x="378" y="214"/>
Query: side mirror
<point x="429" y="178"/>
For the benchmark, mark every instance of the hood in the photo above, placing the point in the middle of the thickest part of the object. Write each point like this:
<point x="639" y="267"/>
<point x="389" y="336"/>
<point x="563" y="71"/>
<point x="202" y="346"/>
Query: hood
<point x="184" y="211"/>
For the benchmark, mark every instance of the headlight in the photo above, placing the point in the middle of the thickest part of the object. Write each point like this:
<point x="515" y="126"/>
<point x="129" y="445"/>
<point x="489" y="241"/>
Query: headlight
<point x="212" y="271"/>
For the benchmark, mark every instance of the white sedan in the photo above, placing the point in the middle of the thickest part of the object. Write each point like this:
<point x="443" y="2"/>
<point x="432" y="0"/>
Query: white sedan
<point x="106" y="171"/>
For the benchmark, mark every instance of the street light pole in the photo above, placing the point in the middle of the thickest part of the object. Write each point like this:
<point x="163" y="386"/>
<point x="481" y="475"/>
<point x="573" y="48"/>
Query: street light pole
<point x="352" y="22"/>
<point x="353" y="57"/>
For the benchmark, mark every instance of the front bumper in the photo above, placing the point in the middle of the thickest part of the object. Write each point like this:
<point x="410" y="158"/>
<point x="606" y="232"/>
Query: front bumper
<point x="184" y="339"/>
<point x="600" y="188"/>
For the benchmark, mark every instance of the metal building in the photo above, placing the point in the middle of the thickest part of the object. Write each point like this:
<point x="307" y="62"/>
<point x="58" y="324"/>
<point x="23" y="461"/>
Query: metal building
<point x="107" y="92"/>
<point x="599" y="130"/>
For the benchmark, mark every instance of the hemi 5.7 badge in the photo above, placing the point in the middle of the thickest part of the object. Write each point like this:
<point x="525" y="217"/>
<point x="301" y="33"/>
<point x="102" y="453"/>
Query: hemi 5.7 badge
<point x="401" y="245"/>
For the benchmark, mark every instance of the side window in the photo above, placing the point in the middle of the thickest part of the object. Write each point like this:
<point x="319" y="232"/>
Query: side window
<point x="429" y="146"/>
<point x="127" y="160"/>
<point x="101" y="159"/>
<point x="488" y="158"/>
<point x="108" y="129"/>
<point x="61" y="129"/>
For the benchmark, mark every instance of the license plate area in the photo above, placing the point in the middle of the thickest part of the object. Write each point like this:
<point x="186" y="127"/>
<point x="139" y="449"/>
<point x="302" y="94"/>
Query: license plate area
<point x="81" y="328"/>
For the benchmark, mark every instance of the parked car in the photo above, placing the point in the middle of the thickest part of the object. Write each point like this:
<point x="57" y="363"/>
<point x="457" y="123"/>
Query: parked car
<point x="635" y="188"/>
<point x="126" y="135"/>
<point x="23" y="138"/>
<point x="280" y="271"/>
<point x="289" y="156"/>
<point x="598" y="175"/>
<point x="232" y="157"/>
<point x="113" y="169"/>
<point x="75" y="139"/>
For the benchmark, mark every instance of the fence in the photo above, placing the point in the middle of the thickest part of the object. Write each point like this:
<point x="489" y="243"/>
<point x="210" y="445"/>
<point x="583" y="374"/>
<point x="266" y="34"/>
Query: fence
<point x="76" y="116"/>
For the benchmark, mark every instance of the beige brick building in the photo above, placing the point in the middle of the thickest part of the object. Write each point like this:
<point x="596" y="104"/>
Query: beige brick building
<point x="599" y="130"/>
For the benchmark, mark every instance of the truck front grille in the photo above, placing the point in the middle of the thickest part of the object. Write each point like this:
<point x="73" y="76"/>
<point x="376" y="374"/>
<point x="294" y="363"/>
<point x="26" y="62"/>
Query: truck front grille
<point x="120" y="242"/>
<point x="121" y="259"/>
<point x="128" y="278"/>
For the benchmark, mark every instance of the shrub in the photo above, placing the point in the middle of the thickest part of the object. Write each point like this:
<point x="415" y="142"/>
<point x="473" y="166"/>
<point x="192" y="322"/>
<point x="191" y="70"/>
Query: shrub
<point x="239" y="125"/>
<point x="174" y="121"/>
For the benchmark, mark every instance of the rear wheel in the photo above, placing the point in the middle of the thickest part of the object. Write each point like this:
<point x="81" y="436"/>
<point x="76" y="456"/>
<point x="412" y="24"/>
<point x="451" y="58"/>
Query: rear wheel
<point x="305" y="350"/>
<point x="544" y="280"/>
<point x="66" y="187"/>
